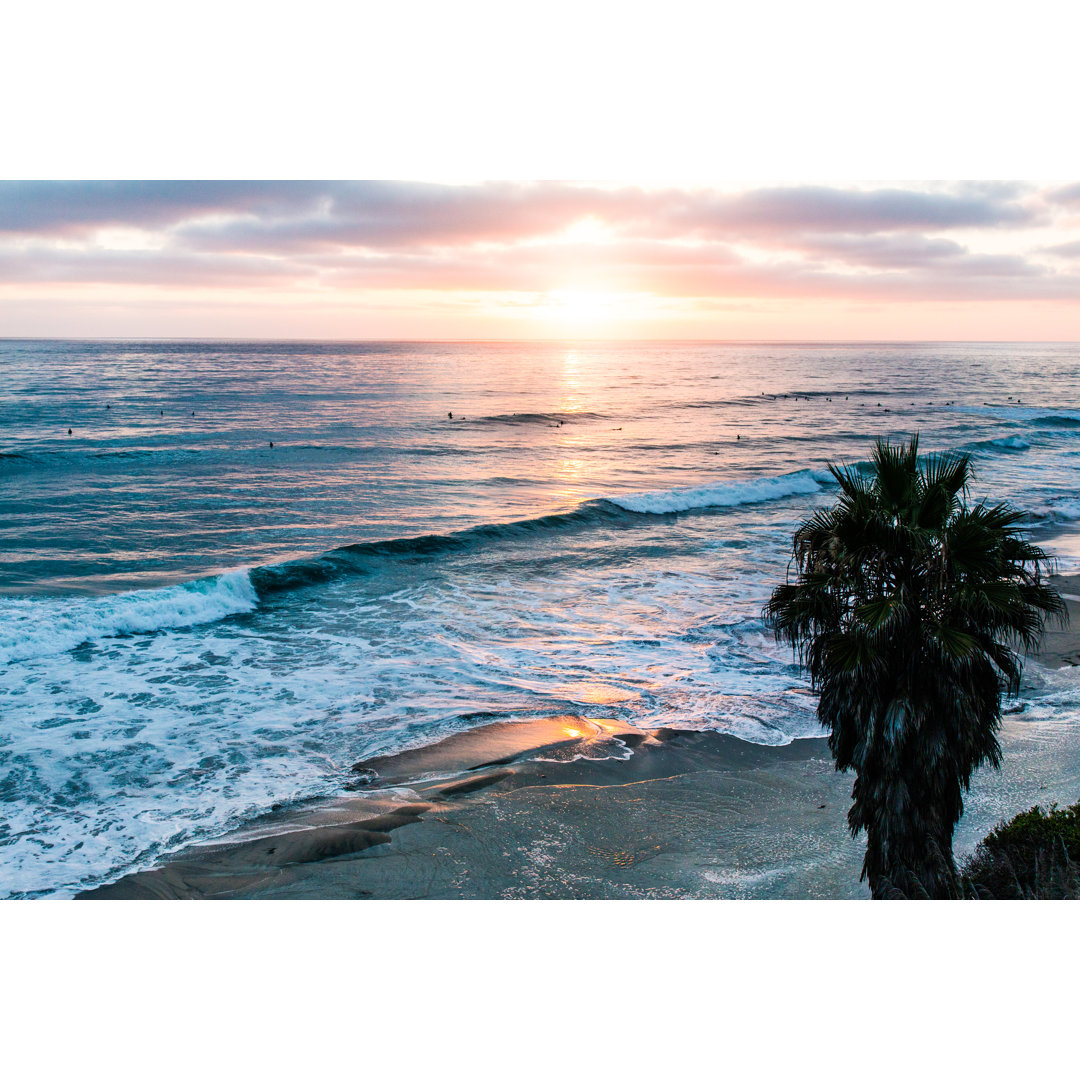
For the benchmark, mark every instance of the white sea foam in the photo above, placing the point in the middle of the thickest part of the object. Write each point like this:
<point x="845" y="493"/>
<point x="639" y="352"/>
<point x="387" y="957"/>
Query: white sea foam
<point x="1067" y="509"/>
<point x="177" y="736"/>
<point x="735" y="494"/>
<point x="41" y="627"/>
<point x="1013" y="442"/>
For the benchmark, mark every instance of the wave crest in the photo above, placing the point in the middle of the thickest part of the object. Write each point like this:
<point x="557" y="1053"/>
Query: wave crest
<point x="1009" y="443"/>
<point x="740" y="493"/>
<point x="37" y="627"/>
<point x="547" y="419"/>
<point x="32" y="628"/>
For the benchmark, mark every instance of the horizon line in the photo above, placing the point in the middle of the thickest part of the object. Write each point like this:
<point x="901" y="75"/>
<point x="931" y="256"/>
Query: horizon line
<point x="546" y="340"/>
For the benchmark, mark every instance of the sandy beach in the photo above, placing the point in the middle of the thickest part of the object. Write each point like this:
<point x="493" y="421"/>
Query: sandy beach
<point x="1061" y="644"/>
<point x="572" y="808"/>
<point x="562" y="808"/>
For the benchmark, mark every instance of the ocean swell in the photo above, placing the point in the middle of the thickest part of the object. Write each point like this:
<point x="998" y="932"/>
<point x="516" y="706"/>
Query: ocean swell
<point x="1009" y="443"/>
<point x="357" y="559"/>
<point x="673" y="500"/>
<point x="38" y="627"/>
<point x="547" y="419"/>
<point x="1039" y="416"/>
<point x="44" y="627"/>
<point x="617" y="510"/>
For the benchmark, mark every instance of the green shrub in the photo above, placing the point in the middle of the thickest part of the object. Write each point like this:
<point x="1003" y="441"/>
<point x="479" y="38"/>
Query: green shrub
<point x="1036" y="856"/>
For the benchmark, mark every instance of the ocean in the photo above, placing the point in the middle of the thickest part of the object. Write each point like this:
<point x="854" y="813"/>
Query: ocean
<point x="251" y="564"/>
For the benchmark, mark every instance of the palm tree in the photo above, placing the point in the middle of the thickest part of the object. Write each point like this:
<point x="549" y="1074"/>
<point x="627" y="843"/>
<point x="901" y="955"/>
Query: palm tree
<point x="907" y="610"/>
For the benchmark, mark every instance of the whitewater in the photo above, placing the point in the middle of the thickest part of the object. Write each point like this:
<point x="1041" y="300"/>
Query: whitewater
<point x="197" y="626"/>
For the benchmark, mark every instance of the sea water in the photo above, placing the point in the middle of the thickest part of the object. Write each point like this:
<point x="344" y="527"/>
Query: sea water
<point x="250" y="565"/>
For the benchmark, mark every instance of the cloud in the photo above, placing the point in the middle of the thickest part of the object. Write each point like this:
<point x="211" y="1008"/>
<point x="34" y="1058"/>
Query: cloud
<point x="880" y="250"/>
<point x="1068" y="251"/>
<point x="299" y="215"/>
<point x="1066" y="196"/>
<point x="821" y="209"/>
<point x="190" y="269"/>
<point x="805" y="241"/>
<point x="50" y="208"/>
<point x="397" y="215"/>
<point x="639" y="266"/>
<point x="418" y="215"/>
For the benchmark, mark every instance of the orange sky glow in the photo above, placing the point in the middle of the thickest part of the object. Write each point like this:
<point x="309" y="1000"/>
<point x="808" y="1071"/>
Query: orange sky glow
<point x="409" y="260"/>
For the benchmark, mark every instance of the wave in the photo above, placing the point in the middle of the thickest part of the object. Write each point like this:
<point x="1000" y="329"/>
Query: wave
<point x="98" y="458"/>
<point x="32" y="628"/>
<point x="1040" y="416"/>
<point x="1065" y="509"/>
<point x="1008" y="444"/>
<point x="358" y="559"/>
<point x="36" y="627"/>
<point x="824" y="396"/>
<point x="673" y="500"/>
<point x="620" y="510"/>
<point x="532" y="418"/>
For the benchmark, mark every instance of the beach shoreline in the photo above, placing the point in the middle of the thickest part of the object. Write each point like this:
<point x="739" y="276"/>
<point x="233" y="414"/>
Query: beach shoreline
<point x="568" y="808"/>
<point x="578" y="808"/>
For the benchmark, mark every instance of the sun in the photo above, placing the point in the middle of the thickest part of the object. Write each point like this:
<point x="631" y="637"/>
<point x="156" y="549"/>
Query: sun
<point x="584" y="311"/>
<point x="582" y="307"/>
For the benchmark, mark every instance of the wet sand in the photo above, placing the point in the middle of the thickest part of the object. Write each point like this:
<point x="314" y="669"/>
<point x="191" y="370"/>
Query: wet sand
<point x="564" y="808"/>
<point x="574" y="808"/>
<point x="1061" y="645"/>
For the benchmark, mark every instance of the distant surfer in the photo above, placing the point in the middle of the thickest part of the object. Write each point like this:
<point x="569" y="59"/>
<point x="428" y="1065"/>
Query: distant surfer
<point x="271" y="446"/>
<point x="451" y="415"/>
<point x="69" y="431"/>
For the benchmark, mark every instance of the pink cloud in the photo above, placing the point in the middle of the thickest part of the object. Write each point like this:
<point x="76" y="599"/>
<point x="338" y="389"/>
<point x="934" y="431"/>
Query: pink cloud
<point x="797" y="242"/>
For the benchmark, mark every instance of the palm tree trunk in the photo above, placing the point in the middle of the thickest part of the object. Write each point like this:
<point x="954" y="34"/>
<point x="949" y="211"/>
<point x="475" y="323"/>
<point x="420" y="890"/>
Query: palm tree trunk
<point x="926" y="871"/>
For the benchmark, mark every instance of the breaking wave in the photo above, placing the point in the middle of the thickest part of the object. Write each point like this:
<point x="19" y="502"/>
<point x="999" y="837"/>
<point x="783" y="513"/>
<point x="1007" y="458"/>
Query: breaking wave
<point x="804" y="482"/>
<point x="1008" y="444"/>
<point x="43" y="627"/>
<point x="38" y="627"/>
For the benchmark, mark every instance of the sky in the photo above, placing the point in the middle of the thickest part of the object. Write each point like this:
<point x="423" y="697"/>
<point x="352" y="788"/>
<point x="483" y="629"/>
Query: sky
<point x="546" y="259"/>
<point x="577" y="168"/>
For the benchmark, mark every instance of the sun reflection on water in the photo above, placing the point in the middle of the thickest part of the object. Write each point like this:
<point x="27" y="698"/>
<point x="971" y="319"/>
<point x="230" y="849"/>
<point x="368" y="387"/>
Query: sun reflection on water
<point x="570" y="472"/>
